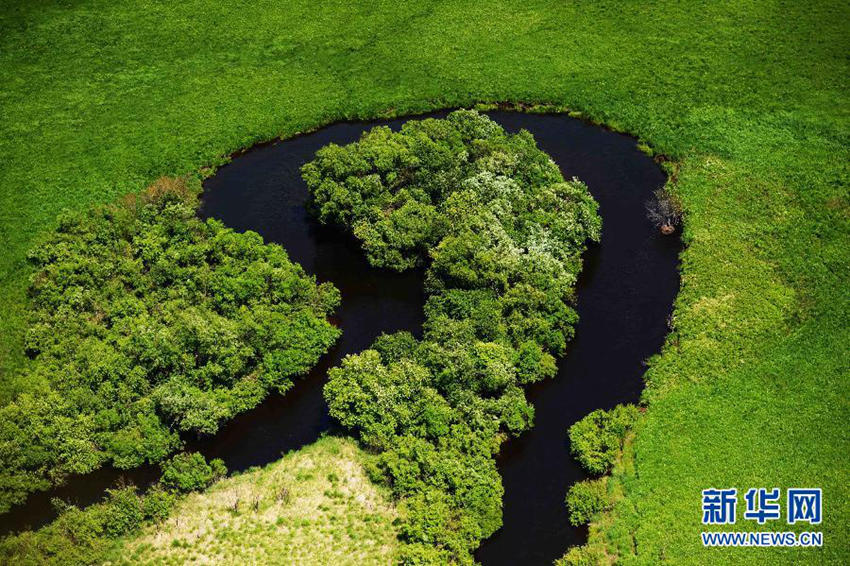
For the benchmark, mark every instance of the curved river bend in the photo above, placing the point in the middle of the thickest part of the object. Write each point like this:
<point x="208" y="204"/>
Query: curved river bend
<point x="625" y="294"/>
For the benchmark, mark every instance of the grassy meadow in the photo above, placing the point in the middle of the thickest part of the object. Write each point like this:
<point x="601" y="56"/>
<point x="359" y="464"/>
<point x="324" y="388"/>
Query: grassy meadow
<point x="748" y="99"/>
<point x="313" y="506"/>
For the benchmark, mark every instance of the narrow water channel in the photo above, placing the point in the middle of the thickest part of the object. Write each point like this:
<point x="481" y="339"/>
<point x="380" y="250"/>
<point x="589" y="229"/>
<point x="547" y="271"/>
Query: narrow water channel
<point x="625" y="294"/>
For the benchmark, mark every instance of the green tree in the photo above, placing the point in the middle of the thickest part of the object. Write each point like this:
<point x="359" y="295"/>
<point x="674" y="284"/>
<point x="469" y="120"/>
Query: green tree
<point x="147" y="321"/>
<point x="501" y="233"/>
<point x="587" y="498"/>
<point x="596" y="440"/>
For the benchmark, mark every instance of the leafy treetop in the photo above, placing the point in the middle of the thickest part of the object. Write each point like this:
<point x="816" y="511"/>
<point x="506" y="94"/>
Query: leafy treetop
<point x="147" y="321"/>
<point x="501" y="233"/>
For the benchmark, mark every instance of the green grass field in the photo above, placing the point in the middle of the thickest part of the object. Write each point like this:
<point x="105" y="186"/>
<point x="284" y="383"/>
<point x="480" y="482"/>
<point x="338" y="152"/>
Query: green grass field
<point x="749" y="98"/>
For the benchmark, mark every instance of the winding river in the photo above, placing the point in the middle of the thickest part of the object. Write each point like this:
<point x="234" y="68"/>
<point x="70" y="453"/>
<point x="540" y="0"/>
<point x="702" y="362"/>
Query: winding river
<point x="625" y="295"/>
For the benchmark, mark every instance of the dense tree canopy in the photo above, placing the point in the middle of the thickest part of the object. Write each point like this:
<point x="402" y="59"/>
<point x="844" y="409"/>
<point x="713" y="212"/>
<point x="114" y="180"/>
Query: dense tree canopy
<point x="501" y="233"/>
<point x="148" y="321"/>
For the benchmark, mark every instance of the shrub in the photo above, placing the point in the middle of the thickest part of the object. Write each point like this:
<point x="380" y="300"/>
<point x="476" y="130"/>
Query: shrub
<point x="123" y="512"/>
<point x="584" y="556"/>
<point x="158" y="503"/>
<point x="587" y="498"/>
<point x="596" y="440"/>
<point x="90" y="535"/>
<point x="191" y="472"/>
<point x="147" y="321"/>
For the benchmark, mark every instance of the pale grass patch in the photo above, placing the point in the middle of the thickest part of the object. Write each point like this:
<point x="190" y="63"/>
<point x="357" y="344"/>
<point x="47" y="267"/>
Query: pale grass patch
<point x="314" y="506"/>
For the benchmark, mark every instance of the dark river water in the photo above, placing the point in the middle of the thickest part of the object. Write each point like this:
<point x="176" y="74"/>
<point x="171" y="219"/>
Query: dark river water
<point x="625" y="295"/>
